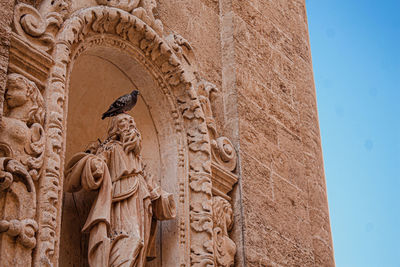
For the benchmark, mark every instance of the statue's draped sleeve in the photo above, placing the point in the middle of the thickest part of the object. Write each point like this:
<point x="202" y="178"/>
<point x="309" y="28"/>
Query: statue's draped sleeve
<point x="164" y="208"/>
<point x="79" y="175"/>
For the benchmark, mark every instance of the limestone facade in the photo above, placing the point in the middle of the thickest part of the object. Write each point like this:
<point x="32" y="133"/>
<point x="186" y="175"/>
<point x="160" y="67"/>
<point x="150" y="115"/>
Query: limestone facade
<point x="227" y="116"/>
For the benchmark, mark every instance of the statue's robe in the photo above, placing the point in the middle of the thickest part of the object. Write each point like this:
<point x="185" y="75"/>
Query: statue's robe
<point x="122" y="221"/>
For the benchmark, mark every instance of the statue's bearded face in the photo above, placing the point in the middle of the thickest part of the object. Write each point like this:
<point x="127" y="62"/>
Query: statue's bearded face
<point x="127" y="132"/>
<point x="126" y="124"/>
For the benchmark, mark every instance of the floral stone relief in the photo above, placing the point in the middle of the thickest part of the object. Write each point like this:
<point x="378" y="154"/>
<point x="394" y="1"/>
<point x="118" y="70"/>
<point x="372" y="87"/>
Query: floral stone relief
<point x="31" y="158"/>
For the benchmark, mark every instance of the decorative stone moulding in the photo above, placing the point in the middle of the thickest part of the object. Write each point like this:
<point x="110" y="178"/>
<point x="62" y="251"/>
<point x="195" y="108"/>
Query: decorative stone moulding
<point x="22" y="146"/>
<point x="29" y="61"/>
<point x="45" y="43"/>
<point x="126" y="5"/>
<point x="224" y="161"/>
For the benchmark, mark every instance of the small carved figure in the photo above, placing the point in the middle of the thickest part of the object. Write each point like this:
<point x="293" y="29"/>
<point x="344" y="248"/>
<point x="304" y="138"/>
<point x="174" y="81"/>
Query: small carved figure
<point x="122" y="221"/>
<point x="22" y="135"/>
<point x="21" y="159"/>
<point x="224" y="247"/>
<point x="122" y="104"/>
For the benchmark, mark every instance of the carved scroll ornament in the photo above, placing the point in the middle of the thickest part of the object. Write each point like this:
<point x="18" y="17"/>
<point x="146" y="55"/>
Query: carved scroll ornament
<point x="39" y="27"/>
<point x="21" y="160"/>
<point x="224" y="161"/>
<point x="223" y="151"/>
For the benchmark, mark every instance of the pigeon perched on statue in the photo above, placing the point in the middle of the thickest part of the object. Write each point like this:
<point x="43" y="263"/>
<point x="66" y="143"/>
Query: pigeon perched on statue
<point x="122" y="105"/>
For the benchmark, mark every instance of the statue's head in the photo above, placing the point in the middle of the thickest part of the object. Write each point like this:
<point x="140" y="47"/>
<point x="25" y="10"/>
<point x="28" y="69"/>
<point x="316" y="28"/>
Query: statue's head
<point x="222" y="213"/>
<point x="123" y="128"/>
<point x="122" y="124"/>
<point x="22" y="92"/>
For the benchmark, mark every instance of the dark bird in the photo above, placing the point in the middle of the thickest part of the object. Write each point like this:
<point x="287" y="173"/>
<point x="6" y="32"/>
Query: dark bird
<point x="122" y="105"/>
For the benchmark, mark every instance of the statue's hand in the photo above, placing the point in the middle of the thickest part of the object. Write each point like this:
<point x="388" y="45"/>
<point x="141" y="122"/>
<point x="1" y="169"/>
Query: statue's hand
<point x="96" y="166"/>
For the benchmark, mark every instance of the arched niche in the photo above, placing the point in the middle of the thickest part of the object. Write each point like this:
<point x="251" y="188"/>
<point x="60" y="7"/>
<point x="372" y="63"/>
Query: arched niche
<point x="97" y="76"/>
<point x="138" y="51"/>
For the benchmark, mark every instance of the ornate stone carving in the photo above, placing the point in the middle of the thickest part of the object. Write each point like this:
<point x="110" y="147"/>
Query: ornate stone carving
<point x="23" y="230"/>
<point x="224" y="161"/>
<point x="223" y="151"/>
<point x="122" y="222"/>
<point x="127" y="5"/>
<point x="141" y="37"/>
<point x="224" y="247"/>
<point x="21" y="159"/>
<point x="143" y="9"/>
<point x="39" y="27"/>
<point x="146" y="13"/>
<point x="22" y="135"/>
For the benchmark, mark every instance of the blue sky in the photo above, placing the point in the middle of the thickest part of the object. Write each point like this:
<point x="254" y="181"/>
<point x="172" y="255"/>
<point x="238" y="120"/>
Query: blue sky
<point x="356" y="58"/>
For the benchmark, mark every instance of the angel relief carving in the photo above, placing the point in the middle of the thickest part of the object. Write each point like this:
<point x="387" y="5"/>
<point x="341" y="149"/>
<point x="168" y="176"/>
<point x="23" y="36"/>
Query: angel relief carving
<point x="224" y="247"/>
<point x="22" y="144"/>
<point x="123" y="219"/>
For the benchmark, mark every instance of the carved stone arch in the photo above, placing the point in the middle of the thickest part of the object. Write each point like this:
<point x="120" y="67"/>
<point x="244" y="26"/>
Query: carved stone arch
<point x="107" y="26"/>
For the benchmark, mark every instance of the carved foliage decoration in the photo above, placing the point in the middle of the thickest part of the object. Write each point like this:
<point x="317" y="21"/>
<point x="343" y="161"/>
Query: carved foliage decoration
<point x="130" y="23"/>
<point x="39" y="27"/>
<point x="22" y="145"/>
<point x="224" y="161"/>
<point x="143" y="10"/>
<point x="127" y="5"/>
<point x="157" y="55"/>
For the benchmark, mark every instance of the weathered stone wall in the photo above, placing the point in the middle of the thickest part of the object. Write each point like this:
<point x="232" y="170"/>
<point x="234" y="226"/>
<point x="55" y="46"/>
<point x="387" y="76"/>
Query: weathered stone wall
<point x="284" y="201"/>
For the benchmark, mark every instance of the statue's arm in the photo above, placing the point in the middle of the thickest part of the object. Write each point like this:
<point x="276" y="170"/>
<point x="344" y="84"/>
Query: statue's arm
<point x="164" y="207"/>
<point x="84" y="170"/>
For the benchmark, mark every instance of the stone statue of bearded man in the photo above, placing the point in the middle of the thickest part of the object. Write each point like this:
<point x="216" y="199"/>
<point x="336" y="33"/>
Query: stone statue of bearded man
<point x="122" y="220"/>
